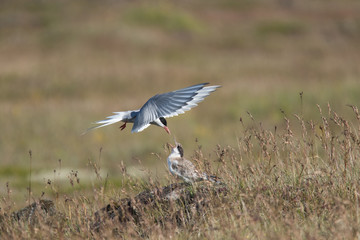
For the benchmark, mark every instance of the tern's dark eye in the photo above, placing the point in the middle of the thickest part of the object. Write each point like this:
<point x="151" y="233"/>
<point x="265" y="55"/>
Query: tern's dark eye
<point x="163" y="121"/>
<point x="181" y="150"/>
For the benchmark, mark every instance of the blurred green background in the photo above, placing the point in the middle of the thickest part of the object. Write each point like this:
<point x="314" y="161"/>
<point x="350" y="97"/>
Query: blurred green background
<point x="65" y="64"/>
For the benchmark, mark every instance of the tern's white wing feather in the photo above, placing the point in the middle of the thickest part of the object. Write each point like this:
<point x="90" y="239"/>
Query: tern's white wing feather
<point x="141" y="128"/>
<point x="127" y="116"/>
<point x="171" y="104"/>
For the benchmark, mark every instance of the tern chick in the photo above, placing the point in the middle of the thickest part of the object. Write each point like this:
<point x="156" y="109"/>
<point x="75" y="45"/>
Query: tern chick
<point x="183" y="168"/>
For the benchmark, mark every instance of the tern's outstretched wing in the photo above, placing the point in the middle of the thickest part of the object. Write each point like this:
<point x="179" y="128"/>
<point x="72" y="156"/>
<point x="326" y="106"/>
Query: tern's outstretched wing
<point x="171" y="104"/>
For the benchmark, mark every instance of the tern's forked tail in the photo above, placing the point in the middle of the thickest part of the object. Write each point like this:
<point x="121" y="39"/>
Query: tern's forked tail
<point x="127" y="116"/>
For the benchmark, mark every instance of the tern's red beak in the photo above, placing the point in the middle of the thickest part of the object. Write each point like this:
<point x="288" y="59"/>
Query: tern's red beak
<point x="167" y="129"/>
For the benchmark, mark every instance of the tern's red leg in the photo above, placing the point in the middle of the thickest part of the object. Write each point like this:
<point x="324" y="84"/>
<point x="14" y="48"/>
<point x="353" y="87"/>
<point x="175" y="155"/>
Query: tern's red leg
<point x="123" y="126"/>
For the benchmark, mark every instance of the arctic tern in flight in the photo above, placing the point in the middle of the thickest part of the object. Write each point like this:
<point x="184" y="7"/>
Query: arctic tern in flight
<point x="159" y="107"/>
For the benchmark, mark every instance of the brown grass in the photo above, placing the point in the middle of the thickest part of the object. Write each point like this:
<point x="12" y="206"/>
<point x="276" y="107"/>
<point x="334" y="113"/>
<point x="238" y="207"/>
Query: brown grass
<point x="283" y="183"/>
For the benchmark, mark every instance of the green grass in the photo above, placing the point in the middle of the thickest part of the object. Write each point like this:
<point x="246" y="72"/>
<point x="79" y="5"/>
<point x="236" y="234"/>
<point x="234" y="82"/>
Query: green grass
<point x="164" y="16"/>
<point x="284" y="28"/>
<point x="14" y="171"/>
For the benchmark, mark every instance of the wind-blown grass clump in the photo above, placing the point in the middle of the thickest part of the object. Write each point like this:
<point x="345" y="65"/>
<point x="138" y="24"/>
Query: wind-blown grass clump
<point x="296" y="181"/>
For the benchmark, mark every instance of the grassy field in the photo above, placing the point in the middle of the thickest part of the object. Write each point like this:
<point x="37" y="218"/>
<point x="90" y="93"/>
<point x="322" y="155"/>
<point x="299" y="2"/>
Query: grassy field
<point x="292" y="168"/>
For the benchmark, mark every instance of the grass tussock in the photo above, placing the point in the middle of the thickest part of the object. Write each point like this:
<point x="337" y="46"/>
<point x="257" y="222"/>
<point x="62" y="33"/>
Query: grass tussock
<point x="299" y="180"/>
